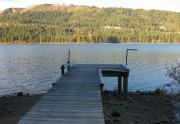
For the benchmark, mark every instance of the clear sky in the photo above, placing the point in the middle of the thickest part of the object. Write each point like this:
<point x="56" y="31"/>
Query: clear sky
<point x="172" y="5"/>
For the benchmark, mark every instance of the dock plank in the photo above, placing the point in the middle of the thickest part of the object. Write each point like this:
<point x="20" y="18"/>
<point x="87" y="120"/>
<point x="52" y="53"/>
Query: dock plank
<point x="74" y="99"/>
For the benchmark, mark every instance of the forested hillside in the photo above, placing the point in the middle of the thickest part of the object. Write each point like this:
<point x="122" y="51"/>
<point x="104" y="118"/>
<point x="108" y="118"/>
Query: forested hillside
<point x="81" y="24"/>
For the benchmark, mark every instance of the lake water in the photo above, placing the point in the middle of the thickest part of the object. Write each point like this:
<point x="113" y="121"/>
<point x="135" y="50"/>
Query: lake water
<point x="33" y="68"/>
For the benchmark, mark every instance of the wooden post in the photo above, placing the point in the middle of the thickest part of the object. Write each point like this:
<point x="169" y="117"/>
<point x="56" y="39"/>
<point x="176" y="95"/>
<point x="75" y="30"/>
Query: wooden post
<point x="69" y="56"/>
<point x="119" y="84"/>
<point x="68" y="65"/>
<point x="125" y="87"/>
<point x="62" y="70"/>
<point x="101" y="87"/>
<point x="68" y="60"/>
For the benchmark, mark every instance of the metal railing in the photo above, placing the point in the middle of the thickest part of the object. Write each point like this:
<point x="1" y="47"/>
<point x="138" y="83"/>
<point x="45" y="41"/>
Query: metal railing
<point x="68" y="65"/>
<point x="127" y="53"/>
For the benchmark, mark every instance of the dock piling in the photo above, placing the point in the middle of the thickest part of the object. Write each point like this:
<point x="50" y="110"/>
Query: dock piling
<point x="119" y="84"/>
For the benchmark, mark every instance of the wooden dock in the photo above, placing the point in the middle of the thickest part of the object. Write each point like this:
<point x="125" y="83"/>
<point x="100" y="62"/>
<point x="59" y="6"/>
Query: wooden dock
<point x="76" y="97"/>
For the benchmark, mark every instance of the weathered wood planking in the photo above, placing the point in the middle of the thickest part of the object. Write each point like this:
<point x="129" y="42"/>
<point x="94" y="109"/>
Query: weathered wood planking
<point x="74" y="99"/>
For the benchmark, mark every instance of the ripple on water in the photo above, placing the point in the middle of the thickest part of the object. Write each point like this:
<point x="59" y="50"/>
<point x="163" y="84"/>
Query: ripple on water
<point x="33" y="68"/>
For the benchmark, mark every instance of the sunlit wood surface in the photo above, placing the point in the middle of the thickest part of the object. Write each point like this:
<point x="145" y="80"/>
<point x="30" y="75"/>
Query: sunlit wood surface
<point x="74" y="99"/>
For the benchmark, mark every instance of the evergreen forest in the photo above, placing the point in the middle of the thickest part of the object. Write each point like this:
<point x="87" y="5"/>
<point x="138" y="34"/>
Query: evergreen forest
<point x="48" y="23"/>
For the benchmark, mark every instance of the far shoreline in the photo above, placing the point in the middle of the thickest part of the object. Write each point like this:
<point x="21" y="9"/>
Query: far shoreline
<point x="85" y="43"/>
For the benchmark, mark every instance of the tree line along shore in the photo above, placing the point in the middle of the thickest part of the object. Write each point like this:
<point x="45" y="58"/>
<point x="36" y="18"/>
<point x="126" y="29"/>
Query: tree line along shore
<point x="49" y="23"/>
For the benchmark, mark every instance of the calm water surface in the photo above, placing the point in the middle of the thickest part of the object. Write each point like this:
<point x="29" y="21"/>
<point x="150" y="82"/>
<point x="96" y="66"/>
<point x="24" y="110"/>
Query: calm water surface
<point x="33" y="68"/>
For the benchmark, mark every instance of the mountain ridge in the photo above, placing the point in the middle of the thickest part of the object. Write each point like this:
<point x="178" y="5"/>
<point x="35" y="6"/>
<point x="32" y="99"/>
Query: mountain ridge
<point x="42" y="7"/>
<point x="83" y="24"/>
